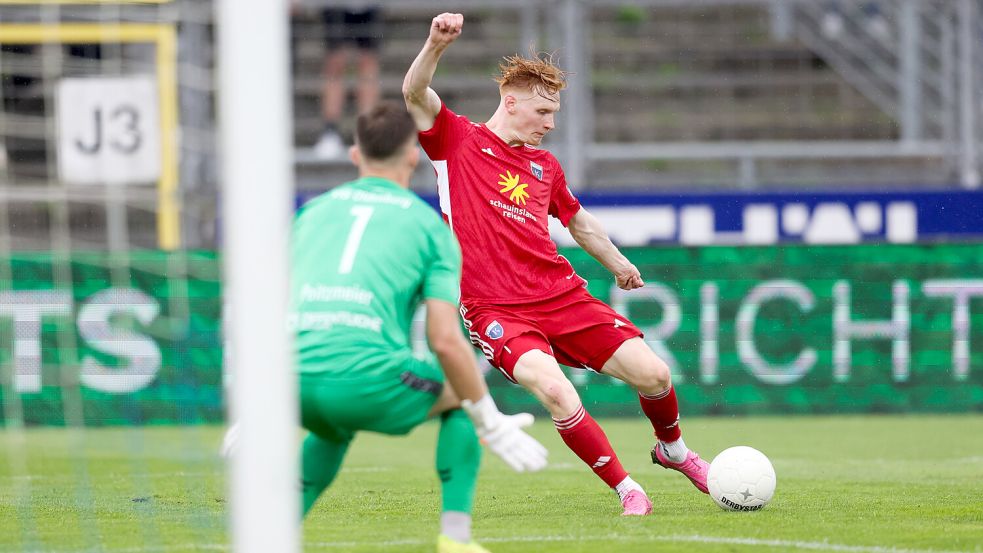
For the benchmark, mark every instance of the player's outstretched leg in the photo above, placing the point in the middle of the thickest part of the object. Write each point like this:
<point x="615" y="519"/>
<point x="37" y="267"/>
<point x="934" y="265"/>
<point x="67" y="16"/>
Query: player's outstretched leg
<point x="458" y="460"/>
<point x="321" y="459"/>
<point x="635" y="363"/>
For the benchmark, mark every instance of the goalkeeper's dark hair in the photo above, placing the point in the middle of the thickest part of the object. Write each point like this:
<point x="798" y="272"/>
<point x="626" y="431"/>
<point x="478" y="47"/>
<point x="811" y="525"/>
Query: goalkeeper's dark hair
<point x="381" y="131"/>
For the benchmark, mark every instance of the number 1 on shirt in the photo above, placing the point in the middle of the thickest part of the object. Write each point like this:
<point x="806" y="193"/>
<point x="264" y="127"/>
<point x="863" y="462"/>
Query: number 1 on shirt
<point x="362" y="213"/>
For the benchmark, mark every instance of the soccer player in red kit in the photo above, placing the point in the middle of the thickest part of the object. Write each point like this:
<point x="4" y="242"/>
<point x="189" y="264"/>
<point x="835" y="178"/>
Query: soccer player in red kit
<point x="525" y="307"/>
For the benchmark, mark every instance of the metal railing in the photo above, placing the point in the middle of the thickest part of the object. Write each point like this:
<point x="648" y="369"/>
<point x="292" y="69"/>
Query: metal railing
<point x="925" y="81"/>
<point x="922" y="68"/>
<point x="922" y="78"/>
<point x="896" y="86"/>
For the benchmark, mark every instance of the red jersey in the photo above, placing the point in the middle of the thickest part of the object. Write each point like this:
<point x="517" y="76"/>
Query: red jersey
<point x="496" y="199"/>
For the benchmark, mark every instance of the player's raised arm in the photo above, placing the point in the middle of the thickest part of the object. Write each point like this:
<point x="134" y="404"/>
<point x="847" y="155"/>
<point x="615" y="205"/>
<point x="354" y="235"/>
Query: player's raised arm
<point x="421" y="100"/>
<point x="502" y="433"/>
<point x="590" y="234"/>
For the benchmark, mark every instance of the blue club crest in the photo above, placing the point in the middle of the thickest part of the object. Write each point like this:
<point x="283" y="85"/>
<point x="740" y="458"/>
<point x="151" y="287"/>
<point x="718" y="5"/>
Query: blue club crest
<point x="494" y="330"/>
<point x="537" y="169"/>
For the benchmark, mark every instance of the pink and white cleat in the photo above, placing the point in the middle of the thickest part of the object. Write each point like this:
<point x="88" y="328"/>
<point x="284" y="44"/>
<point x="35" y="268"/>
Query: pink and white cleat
<point x="636" y="503"/>
<point x="693" y="467"/>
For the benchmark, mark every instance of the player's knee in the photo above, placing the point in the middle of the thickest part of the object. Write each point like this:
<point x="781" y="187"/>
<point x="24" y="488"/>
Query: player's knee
<point x="653" y="376"/>
<point x="558" y="394"/>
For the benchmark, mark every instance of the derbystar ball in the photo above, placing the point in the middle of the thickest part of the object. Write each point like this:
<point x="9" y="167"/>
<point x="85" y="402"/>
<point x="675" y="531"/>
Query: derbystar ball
<point x="741" y="479"/>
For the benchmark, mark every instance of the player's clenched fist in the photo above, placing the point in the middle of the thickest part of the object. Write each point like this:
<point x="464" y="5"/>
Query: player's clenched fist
<point x="445" y="28"/>
<point x="629" y="279"/>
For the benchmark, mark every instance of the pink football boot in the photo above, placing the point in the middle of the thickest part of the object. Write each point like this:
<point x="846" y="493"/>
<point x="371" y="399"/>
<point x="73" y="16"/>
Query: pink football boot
<point x="636" y="503"/>
<point x="693" y="467"/>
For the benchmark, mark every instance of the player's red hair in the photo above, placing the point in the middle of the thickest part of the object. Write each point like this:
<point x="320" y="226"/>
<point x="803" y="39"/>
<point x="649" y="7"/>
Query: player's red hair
<point x="537" y="73"/>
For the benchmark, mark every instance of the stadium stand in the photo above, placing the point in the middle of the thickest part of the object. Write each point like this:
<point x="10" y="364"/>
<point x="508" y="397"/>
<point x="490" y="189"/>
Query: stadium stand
<point x="728" y="95"/>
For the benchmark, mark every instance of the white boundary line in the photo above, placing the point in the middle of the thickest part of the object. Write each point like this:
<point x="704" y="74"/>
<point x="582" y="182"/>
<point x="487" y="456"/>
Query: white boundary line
<point x="782" y="544"/>
<point x="147" y="549"/>
<point x="66" y="476"/>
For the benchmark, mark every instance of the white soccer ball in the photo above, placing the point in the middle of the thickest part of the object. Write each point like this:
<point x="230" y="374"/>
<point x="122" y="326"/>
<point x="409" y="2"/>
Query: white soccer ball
<point x="741" y="479"/>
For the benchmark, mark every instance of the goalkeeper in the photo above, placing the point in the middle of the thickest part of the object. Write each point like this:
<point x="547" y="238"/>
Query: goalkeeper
<point x="364" y="256"/>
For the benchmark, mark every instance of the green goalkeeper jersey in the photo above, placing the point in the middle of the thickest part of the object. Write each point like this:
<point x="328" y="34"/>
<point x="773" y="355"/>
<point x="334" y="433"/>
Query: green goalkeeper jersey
<point x="363" y="257"/>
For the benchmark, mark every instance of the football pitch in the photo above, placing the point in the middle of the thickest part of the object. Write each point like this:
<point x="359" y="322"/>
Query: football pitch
<point x="871" y="484"/>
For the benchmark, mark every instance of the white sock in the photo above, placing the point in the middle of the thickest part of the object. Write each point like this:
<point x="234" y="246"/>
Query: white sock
<point x="675" y="451"/>
<point x="626" y="486"/>
<point x="456" y="526"/>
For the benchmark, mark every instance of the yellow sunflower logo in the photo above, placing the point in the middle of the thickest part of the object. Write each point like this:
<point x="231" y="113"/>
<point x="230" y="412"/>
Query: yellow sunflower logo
<point x="510" y="184"/>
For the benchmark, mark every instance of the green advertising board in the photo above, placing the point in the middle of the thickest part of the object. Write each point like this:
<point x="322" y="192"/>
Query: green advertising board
<point x="800" y="329"/>
<point x="102" y="338"/>
<point x="135" y="339"/>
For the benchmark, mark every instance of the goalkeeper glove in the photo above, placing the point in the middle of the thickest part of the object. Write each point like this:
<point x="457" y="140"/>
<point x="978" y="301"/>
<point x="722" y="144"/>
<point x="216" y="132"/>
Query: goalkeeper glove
<point x="504" y="436"/>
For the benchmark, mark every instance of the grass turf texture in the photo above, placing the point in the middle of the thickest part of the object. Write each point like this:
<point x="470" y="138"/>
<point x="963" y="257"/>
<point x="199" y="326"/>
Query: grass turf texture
<point x="852" y="484"/>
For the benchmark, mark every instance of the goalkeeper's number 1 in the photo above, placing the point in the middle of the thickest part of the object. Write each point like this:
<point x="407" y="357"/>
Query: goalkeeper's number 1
<point x="362" y="213"/>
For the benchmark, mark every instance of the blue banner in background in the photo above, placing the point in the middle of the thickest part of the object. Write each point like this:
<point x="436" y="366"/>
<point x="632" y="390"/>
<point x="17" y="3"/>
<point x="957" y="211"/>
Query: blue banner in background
<point x="774" y="217"/>
<point x="788" y="217"/>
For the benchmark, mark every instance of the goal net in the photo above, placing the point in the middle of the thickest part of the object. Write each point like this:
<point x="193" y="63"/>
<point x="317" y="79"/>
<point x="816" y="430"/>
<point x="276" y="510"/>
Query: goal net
<point x="111" y="287"/>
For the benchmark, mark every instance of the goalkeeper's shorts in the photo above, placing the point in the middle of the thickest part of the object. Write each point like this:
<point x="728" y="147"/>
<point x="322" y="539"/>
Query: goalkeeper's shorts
<point x="392" y="402"/>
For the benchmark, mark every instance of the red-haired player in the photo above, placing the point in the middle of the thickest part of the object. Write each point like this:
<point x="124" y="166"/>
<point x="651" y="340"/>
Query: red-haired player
<point x="524" y="305"/>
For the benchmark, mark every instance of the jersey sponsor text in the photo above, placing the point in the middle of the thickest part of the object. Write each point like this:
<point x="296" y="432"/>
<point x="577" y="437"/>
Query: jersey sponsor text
<point x="320" y="292"/>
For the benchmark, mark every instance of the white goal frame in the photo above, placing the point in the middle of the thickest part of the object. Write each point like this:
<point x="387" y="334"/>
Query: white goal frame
<point x="257" y="208"/>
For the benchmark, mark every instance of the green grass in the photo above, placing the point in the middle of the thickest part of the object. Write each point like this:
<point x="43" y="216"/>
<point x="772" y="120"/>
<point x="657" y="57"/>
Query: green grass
<point x="874" y="484"/>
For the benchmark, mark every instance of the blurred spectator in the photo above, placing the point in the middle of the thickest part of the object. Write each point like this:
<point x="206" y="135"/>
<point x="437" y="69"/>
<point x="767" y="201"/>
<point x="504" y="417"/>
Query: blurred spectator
<point x="874" y="21"/>
<point x="353" y="27"/>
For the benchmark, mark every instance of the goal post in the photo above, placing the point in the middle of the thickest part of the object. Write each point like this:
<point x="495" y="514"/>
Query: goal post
<point x="257" y="190"/>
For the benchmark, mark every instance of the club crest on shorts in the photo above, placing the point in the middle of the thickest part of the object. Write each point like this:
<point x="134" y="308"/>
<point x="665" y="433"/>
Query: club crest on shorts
<point x="494" y="330"/>
<point x="537" y="169"/>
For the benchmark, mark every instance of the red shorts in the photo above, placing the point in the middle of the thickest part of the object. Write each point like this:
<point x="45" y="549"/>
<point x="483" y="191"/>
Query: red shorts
<point x="575" y="327"/>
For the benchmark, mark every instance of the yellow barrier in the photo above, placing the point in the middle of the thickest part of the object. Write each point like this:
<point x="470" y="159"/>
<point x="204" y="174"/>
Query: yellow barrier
<point x="165" y="40"/>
